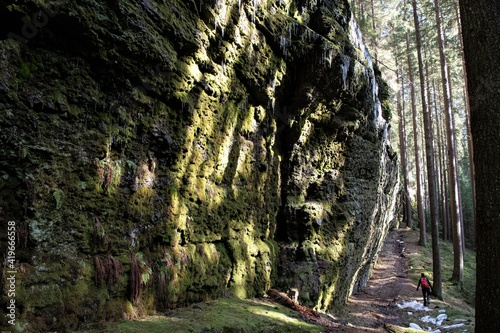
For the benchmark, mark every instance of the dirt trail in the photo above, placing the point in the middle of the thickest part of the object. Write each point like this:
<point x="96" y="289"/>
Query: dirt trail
<point x="375" y="306"/>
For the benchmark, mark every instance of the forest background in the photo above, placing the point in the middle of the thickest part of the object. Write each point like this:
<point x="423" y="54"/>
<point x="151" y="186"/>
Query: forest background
<point x="418" y="47"/>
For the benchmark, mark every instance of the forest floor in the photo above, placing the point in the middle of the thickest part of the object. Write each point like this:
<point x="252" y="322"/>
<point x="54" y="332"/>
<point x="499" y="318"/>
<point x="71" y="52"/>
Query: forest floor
<point x="389" y="303"/>
<point x="374" y="307"/>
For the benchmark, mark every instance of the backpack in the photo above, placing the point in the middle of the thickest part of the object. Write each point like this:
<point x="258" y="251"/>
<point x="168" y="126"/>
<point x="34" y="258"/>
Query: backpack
<point x="424" y="282"/>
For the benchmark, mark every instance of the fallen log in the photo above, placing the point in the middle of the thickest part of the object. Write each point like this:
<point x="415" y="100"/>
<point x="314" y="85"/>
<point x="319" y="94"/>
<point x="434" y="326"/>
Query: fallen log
<point x="284" y="300"/>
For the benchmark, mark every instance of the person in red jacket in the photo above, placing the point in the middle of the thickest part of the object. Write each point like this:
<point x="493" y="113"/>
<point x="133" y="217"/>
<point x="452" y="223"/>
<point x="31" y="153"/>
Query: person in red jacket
<point x="426" y="288"/>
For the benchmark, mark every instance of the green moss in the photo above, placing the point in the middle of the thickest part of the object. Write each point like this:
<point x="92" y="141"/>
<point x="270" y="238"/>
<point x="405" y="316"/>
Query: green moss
<point x="141" y="204"/>
<point x="25" y="71"/>
<point x="59" y="197"/>
<point x="224" y="315"/>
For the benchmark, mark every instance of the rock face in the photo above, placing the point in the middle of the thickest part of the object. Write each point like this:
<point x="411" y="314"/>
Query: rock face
<point x="157" y="153"/>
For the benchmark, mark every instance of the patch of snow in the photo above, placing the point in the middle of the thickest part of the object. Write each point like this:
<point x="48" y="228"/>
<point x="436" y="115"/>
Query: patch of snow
<point x="442" y="311"/>
<point x="415" y="305"/>
<point x="460" y="320"/>
<point x="428" y="319"/>
<point x="415" y="326"/>
<point x="453" y="326"/>
<point x="429" y="329"/>
<point x="410" y="313"/>
<point x="439" y="319"/>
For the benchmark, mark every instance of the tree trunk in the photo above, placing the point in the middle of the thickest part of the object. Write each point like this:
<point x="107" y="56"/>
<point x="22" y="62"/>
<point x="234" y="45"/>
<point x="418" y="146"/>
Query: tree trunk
<point x="420" y="199"/>
<point x="481" y="31"/>
<point x="458" y="255"/>
<point x="467" y="108"/>
<point x="374" y="33"/>
<point x="403" y="153"/>
<point x="442" y="172"/>
<point x="459" y="186"/>
<point x="431" y="168"/>
<point x="436" y="257"/>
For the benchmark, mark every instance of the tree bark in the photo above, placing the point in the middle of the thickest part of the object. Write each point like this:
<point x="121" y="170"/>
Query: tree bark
<point x="436" y="256"/>
<point x="420" y="200"/>
<point x="442" y="172"/>
<point x="467" y="108"/>
<point x="374" y="32"/>
<point x="403" y="153"/>
<point x="458" y="255"/>
<point x="459" y="186"/>
<point x="481" y="31"/>
<point x="431" y="164"/>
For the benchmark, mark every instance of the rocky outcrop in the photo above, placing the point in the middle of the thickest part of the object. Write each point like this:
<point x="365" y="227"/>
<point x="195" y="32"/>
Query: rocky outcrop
<point x="339" y="194"/>
<point x="157" y="153"/>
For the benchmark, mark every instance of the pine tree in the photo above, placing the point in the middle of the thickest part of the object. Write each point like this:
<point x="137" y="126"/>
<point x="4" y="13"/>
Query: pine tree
<point x="458" y="263"/>
<point x="431" y="164"/>
<point x="418" y="176"/>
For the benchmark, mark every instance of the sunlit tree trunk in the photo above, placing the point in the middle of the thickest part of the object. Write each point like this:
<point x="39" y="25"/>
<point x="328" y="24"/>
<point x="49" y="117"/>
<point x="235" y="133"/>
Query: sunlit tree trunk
<point x="442" y="171"/>
<point x="481" y="31"/>
<point x="444" y="167"/>
<point x="467" y="108"/>
<point x="420" y="199"/>
<point x="436" y="257"/>
<point x="374" y="33"/>
<point x="431" y="168"/>
<point x="403" y="153"/>
<point x="459" y="187"/>
<point x="458" y="262"/>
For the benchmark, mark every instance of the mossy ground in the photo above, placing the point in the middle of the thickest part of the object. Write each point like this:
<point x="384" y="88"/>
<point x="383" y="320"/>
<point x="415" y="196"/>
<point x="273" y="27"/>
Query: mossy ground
<point x="223" y="315"/>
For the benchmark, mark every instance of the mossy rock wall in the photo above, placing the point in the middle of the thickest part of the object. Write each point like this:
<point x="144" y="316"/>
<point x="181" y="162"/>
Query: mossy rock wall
<point x="160" y="153"/>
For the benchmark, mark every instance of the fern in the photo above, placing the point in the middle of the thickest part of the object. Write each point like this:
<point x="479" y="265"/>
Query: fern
<point x="146" y="275"/>
<point x="146" y="271"/>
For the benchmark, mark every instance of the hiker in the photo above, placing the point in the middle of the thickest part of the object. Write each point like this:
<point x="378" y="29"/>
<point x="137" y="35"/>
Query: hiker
<point x="426" y="288"/>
